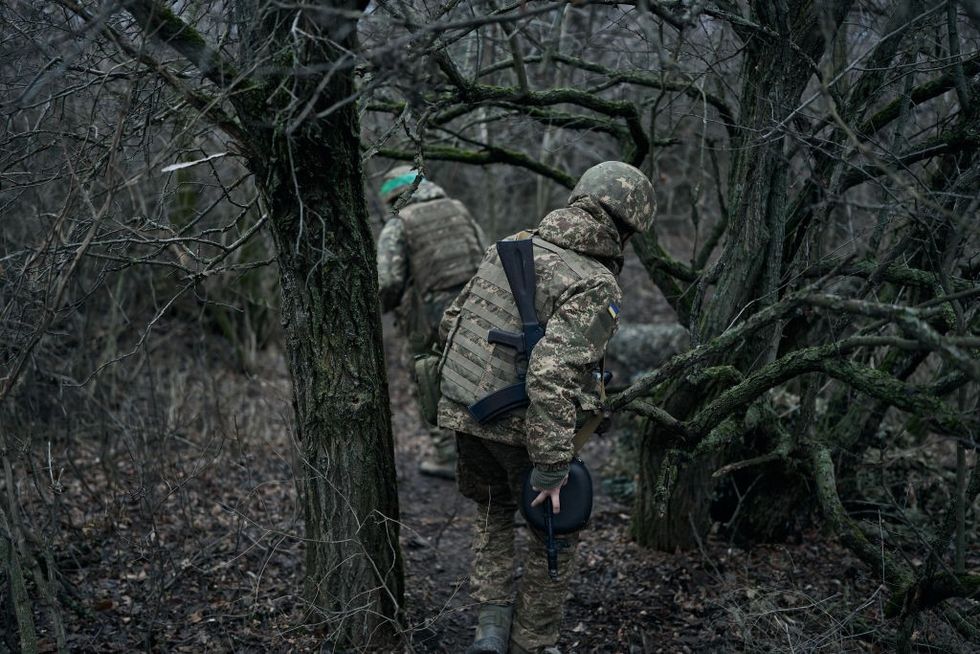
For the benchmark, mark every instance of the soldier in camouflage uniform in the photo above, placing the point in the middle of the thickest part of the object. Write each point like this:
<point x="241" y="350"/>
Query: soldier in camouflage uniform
<point x="426" y="253"/>
<point x="578" y="251"/>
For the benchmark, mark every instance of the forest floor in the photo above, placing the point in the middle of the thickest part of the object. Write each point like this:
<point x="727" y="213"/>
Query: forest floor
<point x="200" y="550"/>
<point x="184" y="535"/>
<point x="191" y="541"/>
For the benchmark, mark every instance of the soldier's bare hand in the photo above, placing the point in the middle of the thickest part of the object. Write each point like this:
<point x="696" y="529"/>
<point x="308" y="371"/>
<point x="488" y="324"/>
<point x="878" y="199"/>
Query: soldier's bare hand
<point x="553" y="493"/>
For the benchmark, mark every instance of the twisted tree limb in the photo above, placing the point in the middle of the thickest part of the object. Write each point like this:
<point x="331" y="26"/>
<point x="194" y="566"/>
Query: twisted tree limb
<point x="896" y="572"/>
<point x="488" y="154"/>
<point x="911" y="322"/>
<point x="160" y="22"/>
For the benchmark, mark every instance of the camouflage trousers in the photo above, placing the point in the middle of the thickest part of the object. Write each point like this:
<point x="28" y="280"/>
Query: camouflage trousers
<point x="491" y="474"/>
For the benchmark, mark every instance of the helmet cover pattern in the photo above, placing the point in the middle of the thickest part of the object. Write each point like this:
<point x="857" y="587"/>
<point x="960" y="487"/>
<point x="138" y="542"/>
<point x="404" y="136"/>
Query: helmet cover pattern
<point x="623" y="190"/>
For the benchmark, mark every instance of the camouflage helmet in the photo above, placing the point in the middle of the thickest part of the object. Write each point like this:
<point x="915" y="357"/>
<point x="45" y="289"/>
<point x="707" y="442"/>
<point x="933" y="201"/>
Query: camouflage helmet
<point x="396" y="181"/>
<point x="622" y="190"/>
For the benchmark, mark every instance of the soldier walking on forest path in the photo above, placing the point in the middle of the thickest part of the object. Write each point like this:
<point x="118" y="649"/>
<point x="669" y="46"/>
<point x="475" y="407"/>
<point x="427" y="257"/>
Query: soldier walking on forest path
<point x="426" y="253"/>
<point x="577" y="253"/>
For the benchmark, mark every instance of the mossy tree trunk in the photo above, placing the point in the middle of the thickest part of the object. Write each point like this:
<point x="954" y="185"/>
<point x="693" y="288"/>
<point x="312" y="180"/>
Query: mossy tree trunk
<point x="746" y="277"/>
<point x="332" y="324"/>
<point x="296" y="121"/>
<point x="333" y="335"/>
<point x="310" y="174"/>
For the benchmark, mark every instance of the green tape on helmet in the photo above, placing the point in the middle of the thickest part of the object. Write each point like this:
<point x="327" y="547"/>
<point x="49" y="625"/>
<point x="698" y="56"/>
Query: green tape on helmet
<point x="398" y="182"/>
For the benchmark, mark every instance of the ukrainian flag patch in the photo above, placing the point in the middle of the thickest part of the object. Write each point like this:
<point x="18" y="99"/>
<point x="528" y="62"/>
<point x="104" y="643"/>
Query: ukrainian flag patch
<point x="613" y="310"/>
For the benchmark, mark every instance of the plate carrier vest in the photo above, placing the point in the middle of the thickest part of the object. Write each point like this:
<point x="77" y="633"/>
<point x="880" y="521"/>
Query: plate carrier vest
<point x="473" y="367"/>
<point x="443" y="242"/>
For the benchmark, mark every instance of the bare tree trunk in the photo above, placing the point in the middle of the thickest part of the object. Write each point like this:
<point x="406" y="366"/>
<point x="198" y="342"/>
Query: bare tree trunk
<point x="309" y="171"/>
<point x="747" y="274"/>
<point x="298" y="126"/>
<point x="332" y="323"/>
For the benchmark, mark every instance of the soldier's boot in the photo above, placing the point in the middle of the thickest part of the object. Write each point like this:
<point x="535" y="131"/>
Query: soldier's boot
<point x="493" y="630"/>
<point x="442" y="463"/>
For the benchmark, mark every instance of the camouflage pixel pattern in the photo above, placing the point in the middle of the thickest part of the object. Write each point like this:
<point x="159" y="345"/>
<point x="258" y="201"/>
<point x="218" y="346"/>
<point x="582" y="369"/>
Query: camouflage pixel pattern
<point x="491" y="475"/>
<point x="578" y="299"/>
<point x="425" y="255"/>
<point x="392" y="264"/>
<point x="622" y="189"/>
<point x="579" y="308"/>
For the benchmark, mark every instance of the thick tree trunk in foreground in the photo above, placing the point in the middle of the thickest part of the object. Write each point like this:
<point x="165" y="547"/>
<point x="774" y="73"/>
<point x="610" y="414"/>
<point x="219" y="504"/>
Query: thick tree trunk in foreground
<point x="333" y="330"/>
<point x="297" y="123"/>
<point x="311" y="177"/>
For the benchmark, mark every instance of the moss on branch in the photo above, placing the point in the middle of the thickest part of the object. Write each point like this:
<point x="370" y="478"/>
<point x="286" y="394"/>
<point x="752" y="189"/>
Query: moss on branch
<point x="824" y="358"/>
<point x="894" y="273"/>
<point x="161" y="23"/>
<point x="920" y="94"/>
<point x="900" y="395"/>
<point x="657" y="415"/>
<point x="469" y="93"/>
<point x="965" y="138"/>
<point x="897" y="573"/>
<point x="485" y="156"/>
<point x="684" y="361"/>
<point x="927" y="593"/>
<point x="912" y="321"/>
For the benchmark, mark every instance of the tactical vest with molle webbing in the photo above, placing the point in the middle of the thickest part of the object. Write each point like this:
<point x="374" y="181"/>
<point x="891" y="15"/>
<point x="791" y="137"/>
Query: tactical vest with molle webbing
<point x="473" y="368"/>
<point x="445" y="251"/>
<point x="444" y="244"/>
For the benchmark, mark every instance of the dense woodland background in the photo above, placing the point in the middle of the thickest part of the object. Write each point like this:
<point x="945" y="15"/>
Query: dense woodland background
<point x="207" y="433"/>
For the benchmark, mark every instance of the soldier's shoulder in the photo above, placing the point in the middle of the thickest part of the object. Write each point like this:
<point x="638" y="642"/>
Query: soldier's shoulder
<point x="602" y="285"/>
<point x="392" y="228"/>
<point x="597" y="275"/>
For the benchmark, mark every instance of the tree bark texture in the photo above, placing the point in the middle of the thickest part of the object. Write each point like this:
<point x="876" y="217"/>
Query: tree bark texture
<point x="309" y="172"/>
<point x="332" y="324"/>
<point x="296" y="122"/>
<point x="746" y="276"/>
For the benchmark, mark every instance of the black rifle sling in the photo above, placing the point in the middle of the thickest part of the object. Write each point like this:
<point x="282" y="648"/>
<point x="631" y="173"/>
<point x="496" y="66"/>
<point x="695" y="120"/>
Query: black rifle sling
<point x="517" y="259"/>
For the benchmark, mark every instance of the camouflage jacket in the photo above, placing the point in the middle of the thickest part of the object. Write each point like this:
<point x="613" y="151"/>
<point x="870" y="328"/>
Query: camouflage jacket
<point x="425" y="255"/>
<point x="578" y="324"/>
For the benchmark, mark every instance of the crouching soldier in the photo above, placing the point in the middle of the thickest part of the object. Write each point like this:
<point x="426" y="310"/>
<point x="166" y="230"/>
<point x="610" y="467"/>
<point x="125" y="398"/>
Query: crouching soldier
<point x="426" y="254"/>
<point x="577" y="253"/>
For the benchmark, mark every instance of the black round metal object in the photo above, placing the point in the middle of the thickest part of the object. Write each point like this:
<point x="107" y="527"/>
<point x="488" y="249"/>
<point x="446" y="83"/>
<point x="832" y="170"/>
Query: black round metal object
<point x="575" y="497"/>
